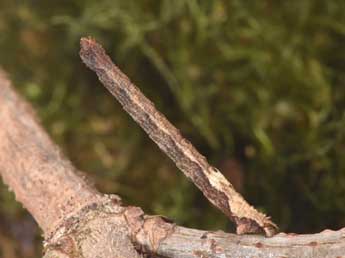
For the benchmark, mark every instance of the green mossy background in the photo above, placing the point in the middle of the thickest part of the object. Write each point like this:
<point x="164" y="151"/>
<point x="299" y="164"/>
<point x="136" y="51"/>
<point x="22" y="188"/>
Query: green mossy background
<point x="257" y="86"/>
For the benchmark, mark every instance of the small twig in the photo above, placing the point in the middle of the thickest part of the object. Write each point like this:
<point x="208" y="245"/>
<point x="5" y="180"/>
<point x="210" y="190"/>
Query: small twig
<point x="208" y="179"/>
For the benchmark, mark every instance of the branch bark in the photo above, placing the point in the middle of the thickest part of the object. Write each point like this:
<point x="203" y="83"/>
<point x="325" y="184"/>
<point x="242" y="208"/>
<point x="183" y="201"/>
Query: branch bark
<point x="78" y="221"/>
<point x="47" y="184"/>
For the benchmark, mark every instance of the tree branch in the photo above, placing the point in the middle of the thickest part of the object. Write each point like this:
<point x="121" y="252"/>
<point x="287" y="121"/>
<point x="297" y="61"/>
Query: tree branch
<point x="208" y="179"/>
<point x="43" y="180"/>
<point x="78" y="221"/>
<point x="187" y="243"/>
<point x="34" y="167"/>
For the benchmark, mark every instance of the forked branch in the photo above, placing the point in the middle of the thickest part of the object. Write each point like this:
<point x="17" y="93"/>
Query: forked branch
<point x="208" y="179"/>
<point x="78" y="221"/>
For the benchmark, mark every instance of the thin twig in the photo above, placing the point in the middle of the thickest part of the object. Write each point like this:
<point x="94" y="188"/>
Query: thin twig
<point x="208" y="179"/>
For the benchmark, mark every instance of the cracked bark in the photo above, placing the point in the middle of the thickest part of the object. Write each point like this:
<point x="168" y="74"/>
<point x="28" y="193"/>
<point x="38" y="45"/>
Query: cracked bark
<point x="78" y="221"/>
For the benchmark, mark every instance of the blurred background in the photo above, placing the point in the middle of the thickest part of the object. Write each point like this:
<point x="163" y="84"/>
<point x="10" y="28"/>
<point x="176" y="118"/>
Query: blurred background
<point x="257" y="86"/>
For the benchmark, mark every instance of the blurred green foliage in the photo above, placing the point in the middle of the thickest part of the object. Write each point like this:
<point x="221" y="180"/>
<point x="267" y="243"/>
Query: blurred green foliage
<point x="257" y="83"/>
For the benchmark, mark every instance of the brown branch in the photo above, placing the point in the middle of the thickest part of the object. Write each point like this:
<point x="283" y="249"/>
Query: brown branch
<point x="43" y="180"/>
<point x="208" y="179"/>
<point x="32" y="165"/>
<point x="96" y="225"/>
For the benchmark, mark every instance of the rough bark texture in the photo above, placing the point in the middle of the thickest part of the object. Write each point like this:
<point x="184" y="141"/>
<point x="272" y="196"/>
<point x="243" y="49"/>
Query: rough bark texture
<point x="187" y="243"/>
<point x="80" y="222"/>
<point x="208" y="179"/>
<point x="43" y="180"/>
